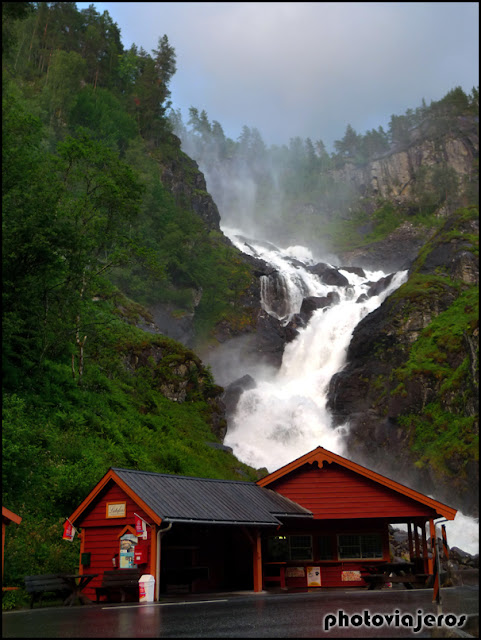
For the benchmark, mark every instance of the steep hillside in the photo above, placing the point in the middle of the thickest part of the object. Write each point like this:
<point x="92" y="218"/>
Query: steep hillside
<point x="409" y="390"/>
<point x="103" y="219"/>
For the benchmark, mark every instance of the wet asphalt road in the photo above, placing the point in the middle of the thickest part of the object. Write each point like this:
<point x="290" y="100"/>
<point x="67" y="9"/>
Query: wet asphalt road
<point x="287" y="615"/>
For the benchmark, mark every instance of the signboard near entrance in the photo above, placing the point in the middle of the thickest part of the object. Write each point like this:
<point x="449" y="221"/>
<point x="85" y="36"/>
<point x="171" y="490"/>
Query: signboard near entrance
<point x="313" y="576"/>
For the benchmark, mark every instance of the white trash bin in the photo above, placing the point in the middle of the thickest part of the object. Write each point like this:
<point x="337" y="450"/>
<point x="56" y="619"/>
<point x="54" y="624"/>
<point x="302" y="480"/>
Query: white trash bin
<point x="146" y="588"/>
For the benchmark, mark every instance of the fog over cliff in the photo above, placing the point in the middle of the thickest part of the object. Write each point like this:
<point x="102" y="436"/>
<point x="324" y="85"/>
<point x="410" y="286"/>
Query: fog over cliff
<point x="284" y="414"/>
<point x="249" y="183"/>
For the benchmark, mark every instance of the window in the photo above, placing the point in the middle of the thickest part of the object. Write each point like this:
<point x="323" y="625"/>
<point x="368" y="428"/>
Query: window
<point x="371" y="546"/>
<point x="277" y="549"/>
<point x="360" y="545"/>
<point x="324" y="546"/>
<point x="300" y="547"/>
<point x="283" y="548"/>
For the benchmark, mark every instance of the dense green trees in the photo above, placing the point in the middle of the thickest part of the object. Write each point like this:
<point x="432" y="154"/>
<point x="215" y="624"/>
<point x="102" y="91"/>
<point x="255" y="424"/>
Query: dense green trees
<point x="66" y="219"/>
<point x="82" y="197"/>
<point x="86" y="220"/>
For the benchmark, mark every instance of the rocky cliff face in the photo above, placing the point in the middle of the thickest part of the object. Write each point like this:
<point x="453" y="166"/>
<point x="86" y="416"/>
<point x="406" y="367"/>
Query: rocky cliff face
<point x="409" y="390"/>
<point x="181" y="175"/>
<point x="393" y="176"/>
<point x="395" y="252"/>
<point x="407" y="174"/>
<point x="178" y="374"/>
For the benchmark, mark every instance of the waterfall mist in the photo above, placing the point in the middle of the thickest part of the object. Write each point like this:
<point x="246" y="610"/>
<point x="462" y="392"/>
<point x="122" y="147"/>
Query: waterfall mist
<point x="285" y="415"/>
<point x="462" y="532"/>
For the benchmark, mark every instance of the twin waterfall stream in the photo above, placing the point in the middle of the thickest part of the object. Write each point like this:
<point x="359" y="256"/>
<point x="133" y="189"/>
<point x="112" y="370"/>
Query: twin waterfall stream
<point x="285" y="415"/>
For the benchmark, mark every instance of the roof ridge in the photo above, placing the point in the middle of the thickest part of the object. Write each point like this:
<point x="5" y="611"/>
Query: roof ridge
<point x="174" y="475"/>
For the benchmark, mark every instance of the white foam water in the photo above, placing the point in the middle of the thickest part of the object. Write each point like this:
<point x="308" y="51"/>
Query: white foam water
<point x="285" y="416"/>
<point x="463" y="532"/>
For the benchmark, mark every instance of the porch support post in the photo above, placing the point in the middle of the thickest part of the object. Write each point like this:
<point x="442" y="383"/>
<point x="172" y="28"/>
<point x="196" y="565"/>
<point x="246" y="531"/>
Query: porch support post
<point x="153" y="557"/>
<point x="416" y="540"/>
<point x="425" y="550"/>
<point x="256" y="546"/>
<point x="432" y="532"/>
<point x="257" y="561"/>
<point x="82" y="549"/>
<point x="410" y="542"/>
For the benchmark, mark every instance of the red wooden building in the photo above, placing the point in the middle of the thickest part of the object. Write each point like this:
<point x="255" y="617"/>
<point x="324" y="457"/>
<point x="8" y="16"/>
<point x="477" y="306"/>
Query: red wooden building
<point x="351" y="509"/>
<point x="316" y="522"/>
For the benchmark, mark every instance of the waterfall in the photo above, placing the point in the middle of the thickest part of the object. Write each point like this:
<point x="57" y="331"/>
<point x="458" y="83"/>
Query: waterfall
<point x="285" y="415"/>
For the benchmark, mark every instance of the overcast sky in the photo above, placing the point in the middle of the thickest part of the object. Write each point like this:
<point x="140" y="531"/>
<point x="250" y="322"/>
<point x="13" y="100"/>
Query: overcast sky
<point x="307" y="69"/>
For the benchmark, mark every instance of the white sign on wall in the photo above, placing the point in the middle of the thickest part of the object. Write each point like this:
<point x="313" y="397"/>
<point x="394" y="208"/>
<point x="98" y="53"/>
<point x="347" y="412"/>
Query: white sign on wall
<point x="313" y="576"/>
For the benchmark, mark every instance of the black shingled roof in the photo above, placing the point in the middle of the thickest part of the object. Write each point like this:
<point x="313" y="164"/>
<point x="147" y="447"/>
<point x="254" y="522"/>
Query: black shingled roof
<point x="206" y="500"/>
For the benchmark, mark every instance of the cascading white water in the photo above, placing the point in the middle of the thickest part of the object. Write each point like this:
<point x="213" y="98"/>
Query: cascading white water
<point x="285" y="415"/>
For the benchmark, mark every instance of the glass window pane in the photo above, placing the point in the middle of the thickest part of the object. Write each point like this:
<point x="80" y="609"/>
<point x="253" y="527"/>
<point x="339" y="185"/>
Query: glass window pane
<point x="349" y="546"/>
<point x="301" y="554"/>
<point x="300" y="547"/>
<point x="371" y="546"/>
<point x="360" y="546"/>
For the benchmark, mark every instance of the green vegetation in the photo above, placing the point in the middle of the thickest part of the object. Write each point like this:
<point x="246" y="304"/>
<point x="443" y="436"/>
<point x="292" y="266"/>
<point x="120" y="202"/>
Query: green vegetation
<point x="443" y="358"/>
<point x="90" y="234"/>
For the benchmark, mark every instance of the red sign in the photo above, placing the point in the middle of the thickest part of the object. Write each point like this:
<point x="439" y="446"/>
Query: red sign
<point x="69" y="531"/>
<point x="140" y="556"/>
<point x="140" y="527"/>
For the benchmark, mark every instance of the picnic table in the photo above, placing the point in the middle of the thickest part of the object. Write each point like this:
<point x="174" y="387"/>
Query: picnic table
<point x="123" y="582"/>
<point x="77" y="583"/>
<point x="381" y="573"/>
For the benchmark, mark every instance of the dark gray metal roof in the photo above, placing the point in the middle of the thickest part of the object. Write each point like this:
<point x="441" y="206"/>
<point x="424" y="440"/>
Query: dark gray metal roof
<point x="206" y="500"/>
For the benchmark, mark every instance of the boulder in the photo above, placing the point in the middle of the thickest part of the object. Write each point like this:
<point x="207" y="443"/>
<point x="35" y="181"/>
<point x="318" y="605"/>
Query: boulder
<point x="328" y="275"/>
<point x="376" y="288"/>
<point x="234" y="390"/>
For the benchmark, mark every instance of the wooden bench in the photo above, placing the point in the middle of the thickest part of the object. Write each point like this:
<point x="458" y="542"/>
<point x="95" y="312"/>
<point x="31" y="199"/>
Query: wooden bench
<point x="36" y="586"/>
<point x="119" y="581"/>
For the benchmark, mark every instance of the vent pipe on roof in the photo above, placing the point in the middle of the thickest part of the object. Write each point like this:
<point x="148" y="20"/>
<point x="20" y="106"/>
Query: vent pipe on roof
<point x="157" y="568"/>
